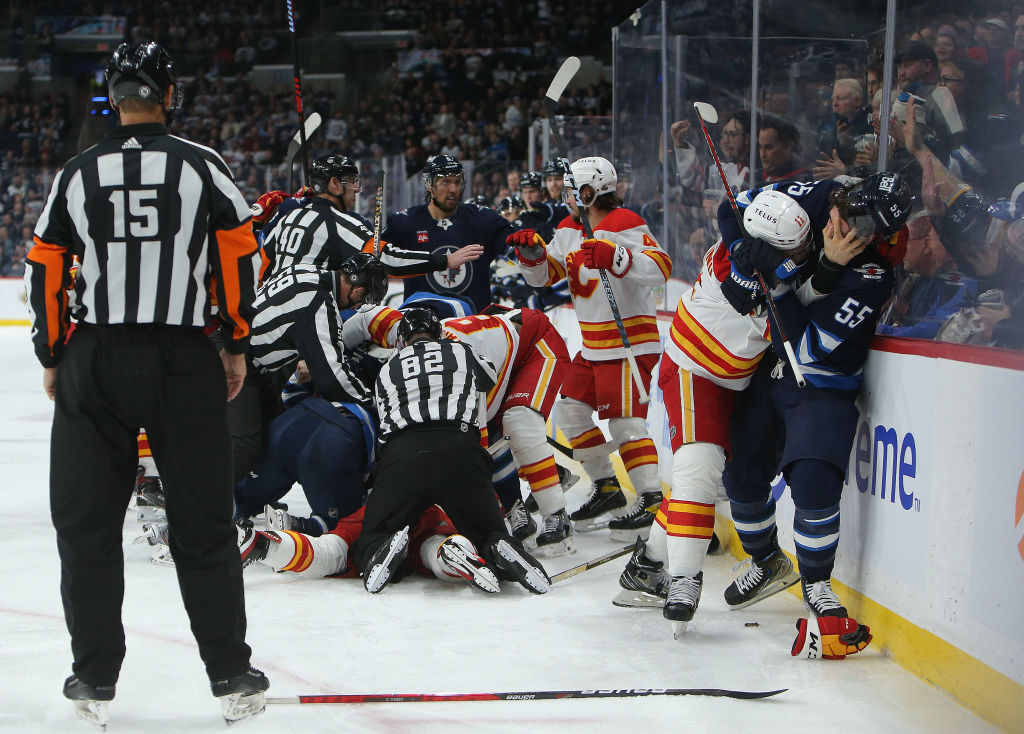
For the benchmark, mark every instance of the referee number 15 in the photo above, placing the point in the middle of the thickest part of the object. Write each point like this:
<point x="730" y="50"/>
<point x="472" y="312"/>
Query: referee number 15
<point x="143" y="215"/>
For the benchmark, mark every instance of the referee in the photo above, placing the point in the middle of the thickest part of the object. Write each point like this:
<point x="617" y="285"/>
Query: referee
<point x="430" y="401"/>
<point x="159" y="230"/>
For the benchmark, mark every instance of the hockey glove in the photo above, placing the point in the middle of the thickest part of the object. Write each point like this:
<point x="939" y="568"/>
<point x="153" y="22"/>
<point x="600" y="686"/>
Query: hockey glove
<point x="266" y="205"/>
<point x="605" y="255"/>
<point x="831" y="638"/>
<point x="529" y="246"/>
<point x="750" y="254"/>
<point x="742" y="292"/>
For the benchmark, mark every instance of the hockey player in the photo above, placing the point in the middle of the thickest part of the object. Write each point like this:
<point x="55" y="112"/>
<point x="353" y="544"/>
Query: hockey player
<point x="832" y="319"/>
<point x="599" y="378"/>
<point x="553" y="172"/>
<point x="458" y="240"/>
<point x="531" y="360"/>
<point x="430" y="397"/>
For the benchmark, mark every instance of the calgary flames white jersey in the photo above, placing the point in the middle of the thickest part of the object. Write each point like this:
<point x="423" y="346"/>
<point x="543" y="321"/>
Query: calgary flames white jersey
<point x="492" y="337"/>
<point x="708" y="337"/>
<point x="633" y="291"/>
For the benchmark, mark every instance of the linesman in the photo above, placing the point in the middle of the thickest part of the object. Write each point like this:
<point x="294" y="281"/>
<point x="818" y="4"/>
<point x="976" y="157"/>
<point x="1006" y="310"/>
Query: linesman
<point x="160" y="230"/>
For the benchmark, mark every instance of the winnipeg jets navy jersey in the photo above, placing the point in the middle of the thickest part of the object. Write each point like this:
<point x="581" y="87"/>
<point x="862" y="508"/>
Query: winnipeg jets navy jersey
<point x="415" y="229"/>
<point x="831" y="336"/>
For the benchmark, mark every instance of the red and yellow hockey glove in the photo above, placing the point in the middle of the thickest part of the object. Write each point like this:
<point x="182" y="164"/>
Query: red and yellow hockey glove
<point x="266" y="205"/>
<point x="605" y="255"/>
<point x="529" y="246"/>
<point x="831" y="638"/>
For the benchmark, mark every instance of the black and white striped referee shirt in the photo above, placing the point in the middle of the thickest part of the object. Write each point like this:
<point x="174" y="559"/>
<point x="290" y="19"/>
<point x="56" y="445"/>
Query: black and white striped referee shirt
<point x="155" y="222"/>
<point x="297" y="318"/>
<point x="317" y="233"/>
<point x="432" y="382"/>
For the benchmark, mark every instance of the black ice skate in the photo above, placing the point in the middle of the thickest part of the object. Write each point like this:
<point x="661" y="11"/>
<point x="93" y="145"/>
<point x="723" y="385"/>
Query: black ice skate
<point x="521" y="524"/>
<point x="90" y="701"/>
<point x="637" y="522"/>
<point x="644" y="581"/>
<point x="386" y="560"/>
<point x="820" y="600"/>
<point x="515" y="564"/>
<point x="682" y="600"/>
<point x="556" y="537"/>
<point x="607" y="497"/>
<point x="241" y="696"/>
<point x="761" y="580"/>
<point x="458" y="557"/>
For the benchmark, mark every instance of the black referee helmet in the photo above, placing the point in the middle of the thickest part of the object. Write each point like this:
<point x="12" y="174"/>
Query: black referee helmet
<point x="418" y="321"/>
<point x="332" y="166"/>
<point x="141" y="71"/>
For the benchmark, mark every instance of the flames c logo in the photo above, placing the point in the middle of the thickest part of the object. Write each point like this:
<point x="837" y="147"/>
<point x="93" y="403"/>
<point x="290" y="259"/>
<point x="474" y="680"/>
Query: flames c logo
<point x="1019" y="515"/>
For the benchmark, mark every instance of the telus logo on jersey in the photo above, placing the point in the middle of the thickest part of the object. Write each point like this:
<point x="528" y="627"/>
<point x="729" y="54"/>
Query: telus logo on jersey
<point x="884" y="465"/>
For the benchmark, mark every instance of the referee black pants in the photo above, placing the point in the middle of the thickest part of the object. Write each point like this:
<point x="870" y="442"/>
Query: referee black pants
<point x="426" y="465"/>
<point x="112" y="380"/>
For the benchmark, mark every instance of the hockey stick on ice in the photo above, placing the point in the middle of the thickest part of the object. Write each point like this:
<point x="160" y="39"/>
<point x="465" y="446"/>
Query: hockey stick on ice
<point x="521" y="695"/>
<point x="377" y="212"/>
<point x="707" y="112"/>
<point x="561" y="80"/>
<point x="599" y="561"/>
<point x="298" y="91"/>
<point x="297" y="143"/>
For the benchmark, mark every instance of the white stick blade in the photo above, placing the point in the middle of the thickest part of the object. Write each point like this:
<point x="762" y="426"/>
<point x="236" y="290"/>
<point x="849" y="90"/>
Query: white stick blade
<point x="562" y="78"/>
<point x="706" y="111"/>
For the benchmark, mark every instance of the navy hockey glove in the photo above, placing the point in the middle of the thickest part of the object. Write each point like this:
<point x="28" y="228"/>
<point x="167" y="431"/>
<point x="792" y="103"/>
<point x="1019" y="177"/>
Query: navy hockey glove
<point x="529" y="246"/>
<point x="742" y="292"/>
<point x="751" y="254"/>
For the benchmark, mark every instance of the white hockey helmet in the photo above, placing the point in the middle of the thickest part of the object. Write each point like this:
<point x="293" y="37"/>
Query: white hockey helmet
<point x="778" y="220"/>
<point x="596" y="172"/>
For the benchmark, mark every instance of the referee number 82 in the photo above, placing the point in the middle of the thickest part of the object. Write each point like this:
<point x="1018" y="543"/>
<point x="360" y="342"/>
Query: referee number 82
<point x="412" y="366"/>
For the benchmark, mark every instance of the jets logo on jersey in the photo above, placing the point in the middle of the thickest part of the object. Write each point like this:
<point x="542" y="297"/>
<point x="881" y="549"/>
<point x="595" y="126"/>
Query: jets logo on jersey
<point x="422" y="237"/>
<point x="450" y="280"/>
<point x="871" y="271"/>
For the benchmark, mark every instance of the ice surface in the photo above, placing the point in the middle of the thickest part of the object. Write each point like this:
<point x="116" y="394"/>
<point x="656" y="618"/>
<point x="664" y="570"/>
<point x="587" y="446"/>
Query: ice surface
<point x="418" y="636"/>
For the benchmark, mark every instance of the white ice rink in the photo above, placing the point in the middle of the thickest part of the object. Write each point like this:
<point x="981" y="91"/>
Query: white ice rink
<point x="418" y="636"/>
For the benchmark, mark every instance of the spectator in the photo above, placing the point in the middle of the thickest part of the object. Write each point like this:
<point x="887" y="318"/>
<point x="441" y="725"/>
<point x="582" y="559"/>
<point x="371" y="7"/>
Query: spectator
<point x="778" y="143"/>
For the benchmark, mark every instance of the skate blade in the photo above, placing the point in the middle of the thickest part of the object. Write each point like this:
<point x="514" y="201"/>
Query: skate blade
<point x="595" y="523"/>
<point x="484" y="580"/>
<point x="553" y="550"/>
<point x="770" y="590"/>
<point x="92" y="712"/>
<point x="638" y="600"/>
<point x="679" y="629"/>
<point x="530" y="578"/>
<point x="630" y="536"/>
<point x="237" y="707"/>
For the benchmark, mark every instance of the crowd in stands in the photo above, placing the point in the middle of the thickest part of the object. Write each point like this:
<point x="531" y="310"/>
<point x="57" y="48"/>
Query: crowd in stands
<point x="464" y="97"/>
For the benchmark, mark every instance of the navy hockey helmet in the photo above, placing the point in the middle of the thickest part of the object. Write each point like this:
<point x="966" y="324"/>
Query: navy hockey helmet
<point x="531" y="180"/>
<point x="367" y="271"/>
<point x="439" y="166"/>
<point x="332" y="166"/>
<point x="141" y="71"/>
<point x="510" y="202"/>
<point x="879" y="205"/>
<point x="418" y="321"/>
<point x="553" y="167"/>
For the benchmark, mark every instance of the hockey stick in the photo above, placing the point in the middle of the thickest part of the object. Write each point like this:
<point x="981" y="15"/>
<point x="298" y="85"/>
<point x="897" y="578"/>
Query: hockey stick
<point x="707" y="112"/>
<point x="561" y="80"/>
<point x="591" y="452"/>
<point x="377" y="212"/>
<point x="298" y="92"/>
<point x="599" y="561"/>
<point x="296" y="144"/>
<point x="521" y="695"/>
